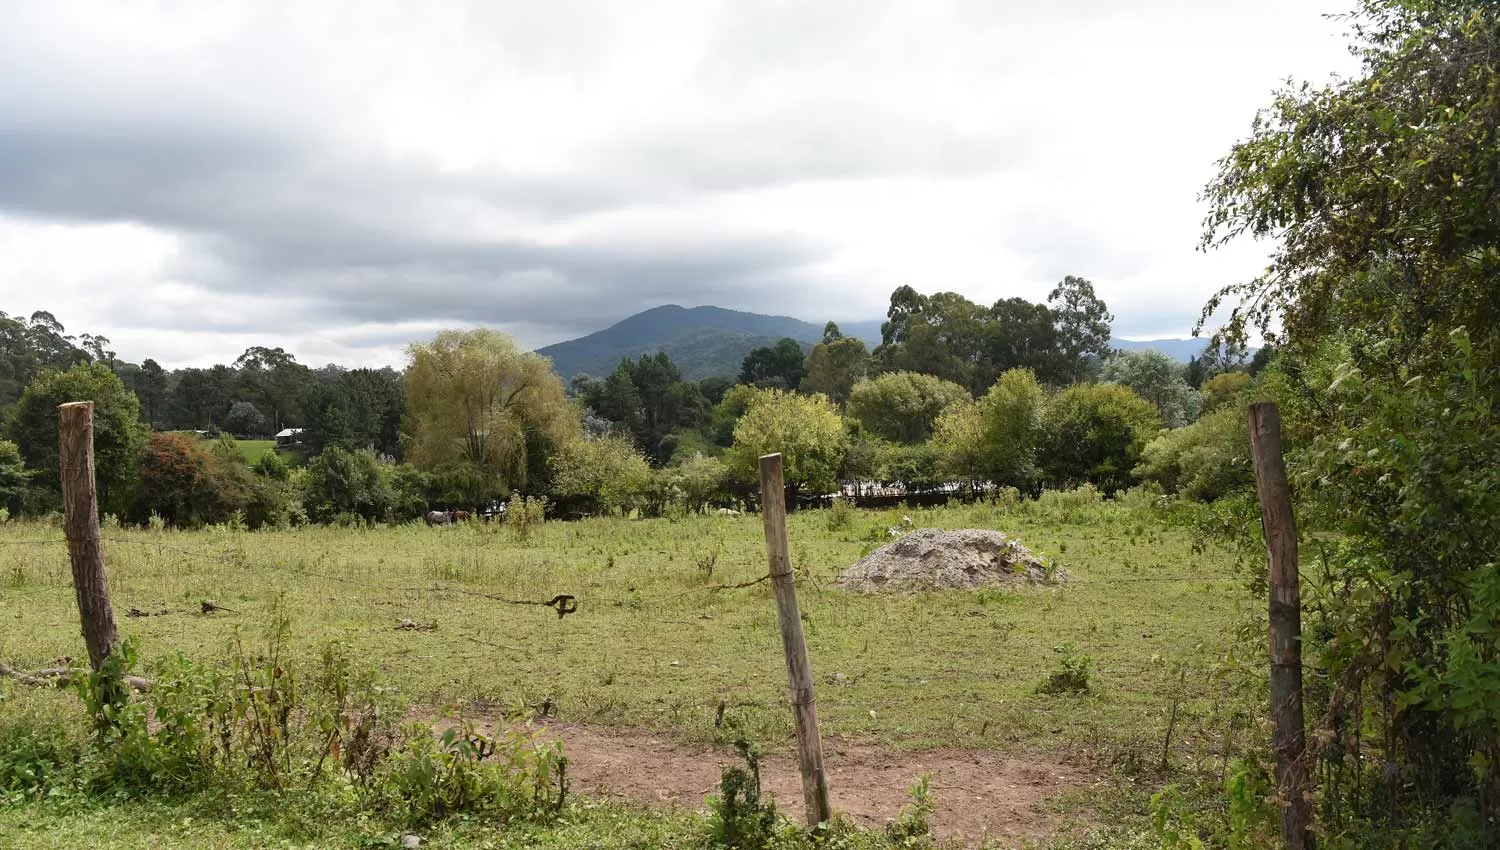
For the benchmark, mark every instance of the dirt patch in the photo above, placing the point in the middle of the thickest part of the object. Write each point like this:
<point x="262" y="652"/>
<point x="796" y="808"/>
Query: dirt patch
<point x="978" y="795"/>
<point x="934" y="559"/>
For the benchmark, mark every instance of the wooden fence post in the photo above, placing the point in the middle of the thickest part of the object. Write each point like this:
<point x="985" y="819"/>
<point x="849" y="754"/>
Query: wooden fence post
<point x="799" y="672"/>
<point x="1280" y="528"/>
<point x="81" y="505"/>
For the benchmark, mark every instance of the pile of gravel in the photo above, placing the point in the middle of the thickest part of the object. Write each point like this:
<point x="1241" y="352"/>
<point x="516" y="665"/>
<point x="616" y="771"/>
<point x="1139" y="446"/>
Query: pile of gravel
<point x="933" y="559"/>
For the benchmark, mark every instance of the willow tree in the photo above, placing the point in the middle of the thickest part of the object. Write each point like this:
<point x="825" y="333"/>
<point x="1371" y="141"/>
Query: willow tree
<point x="482" y="414"/>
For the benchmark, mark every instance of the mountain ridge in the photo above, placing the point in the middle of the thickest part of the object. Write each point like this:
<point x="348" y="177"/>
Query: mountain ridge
<point x="708" y="341"/>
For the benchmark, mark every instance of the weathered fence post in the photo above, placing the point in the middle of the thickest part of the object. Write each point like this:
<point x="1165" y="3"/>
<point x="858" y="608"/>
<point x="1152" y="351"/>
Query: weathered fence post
<point x="1280" y="528"/>
<point x="81" y="506"/>
<point x="799" y="672"/>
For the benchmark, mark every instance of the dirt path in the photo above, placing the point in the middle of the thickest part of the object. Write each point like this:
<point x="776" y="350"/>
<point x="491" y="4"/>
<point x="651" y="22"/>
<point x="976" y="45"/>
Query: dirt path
<point x="978" y="794"/>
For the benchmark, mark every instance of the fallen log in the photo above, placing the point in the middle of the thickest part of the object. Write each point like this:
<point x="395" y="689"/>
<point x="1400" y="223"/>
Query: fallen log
<point x="61" y="677"/>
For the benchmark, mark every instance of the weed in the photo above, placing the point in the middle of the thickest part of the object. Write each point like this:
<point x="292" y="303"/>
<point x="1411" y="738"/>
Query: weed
<point x="504" y="776"/>
<point x="911" y="829"/>
<point x="1072" y="675"/>
<point x="841" y="515"/>
<point x="738" y="818"/>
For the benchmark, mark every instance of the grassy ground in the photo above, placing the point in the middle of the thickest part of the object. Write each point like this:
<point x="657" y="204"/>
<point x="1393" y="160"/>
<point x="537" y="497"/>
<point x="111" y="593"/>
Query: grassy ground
<point x="652" y="645"/>
<point x="254" y="450"/>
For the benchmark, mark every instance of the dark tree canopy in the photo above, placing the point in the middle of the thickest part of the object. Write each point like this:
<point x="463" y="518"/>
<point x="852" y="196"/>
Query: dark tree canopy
<point x="776" y="366"/>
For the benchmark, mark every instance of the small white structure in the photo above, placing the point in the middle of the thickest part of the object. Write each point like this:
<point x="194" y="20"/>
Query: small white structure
<point x="289" y="437"/>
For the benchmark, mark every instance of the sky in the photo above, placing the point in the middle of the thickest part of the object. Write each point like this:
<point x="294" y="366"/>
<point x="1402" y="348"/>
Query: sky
<point x="340" y="179"/>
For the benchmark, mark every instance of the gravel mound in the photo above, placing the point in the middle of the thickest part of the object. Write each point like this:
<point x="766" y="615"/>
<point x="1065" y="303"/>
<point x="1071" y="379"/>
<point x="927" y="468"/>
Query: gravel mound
<point x="933" y="559"/>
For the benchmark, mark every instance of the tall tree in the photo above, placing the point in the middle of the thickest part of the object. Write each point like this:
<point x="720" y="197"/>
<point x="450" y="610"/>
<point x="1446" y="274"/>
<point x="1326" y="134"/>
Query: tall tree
<point x="1158" y="379"/>
<point x="481" y="409"/>
<point x="776" y="366"/>
<point x="118" y="434"/>
<point x="1023" y="335"/>
<point x="275" y="380"/>
<point x="835" y="365"/>
<point x="902" y="406"/>
<point x="1082" y="326"/>
<point x="1379" y="190"/>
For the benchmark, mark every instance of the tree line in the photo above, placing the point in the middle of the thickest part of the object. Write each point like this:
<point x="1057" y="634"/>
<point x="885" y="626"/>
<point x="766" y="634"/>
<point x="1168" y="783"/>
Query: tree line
<point x="472" y="420"/>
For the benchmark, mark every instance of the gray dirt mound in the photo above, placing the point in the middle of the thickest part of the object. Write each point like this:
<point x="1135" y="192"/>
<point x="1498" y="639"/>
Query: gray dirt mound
<point x="933" y="559"/>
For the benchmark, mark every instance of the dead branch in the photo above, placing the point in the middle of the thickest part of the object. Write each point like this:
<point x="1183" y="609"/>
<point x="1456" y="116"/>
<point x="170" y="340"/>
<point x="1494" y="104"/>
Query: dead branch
<point x="62" y="677"/>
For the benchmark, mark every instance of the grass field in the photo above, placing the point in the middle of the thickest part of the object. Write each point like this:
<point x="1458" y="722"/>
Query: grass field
<point x="254" y="450"/>
<point x="654" y="647"/>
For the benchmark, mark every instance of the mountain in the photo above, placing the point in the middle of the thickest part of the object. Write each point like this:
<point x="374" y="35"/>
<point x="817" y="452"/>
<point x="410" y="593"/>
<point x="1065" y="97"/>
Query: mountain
<point x="1181" y="350"/>
<point x="702" y="341"/>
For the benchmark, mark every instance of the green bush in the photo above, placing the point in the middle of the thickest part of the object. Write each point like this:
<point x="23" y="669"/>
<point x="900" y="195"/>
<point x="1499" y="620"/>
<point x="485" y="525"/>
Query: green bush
<point x="1205" y="461"/>
<point x="512" y="774"/>
<point x="1094" y="434"/>
<point x="739" y="819"/>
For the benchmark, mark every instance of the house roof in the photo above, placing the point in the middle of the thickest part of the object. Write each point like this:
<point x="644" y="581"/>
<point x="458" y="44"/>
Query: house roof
<point x="289" y="432"/>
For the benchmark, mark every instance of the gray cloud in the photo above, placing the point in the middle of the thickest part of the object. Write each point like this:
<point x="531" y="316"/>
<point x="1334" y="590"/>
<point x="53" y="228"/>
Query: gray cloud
<point x="345" y="179"/>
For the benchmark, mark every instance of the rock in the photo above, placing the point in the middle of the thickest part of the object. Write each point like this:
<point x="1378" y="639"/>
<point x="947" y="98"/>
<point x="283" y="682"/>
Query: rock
<point x="410" y="841"/>
<point x="933" y="559"/>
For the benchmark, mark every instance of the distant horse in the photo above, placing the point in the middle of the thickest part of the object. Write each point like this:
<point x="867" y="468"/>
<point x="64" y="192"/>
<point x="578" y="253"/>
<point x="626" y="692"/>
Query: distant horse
<point x="439" y="517"/>
<point x="460" y="516"/>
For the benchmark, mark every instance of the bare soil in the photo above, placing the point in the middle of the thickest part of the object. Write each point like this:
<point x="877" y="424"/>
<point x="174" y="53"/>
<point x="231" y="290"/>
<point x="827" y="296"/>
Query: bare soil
<point x="978" y="795"/>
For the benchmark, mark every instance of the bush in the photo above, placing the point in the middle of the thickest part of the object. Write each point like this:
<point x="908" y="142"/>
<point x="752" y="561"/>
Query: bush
<point x="512" y="774"/>
<point x="738" y="817"/>
<point x="1095" y="434"/>
<point x="1205" y="461"/>
<point x="606" y="473"/>
<point x="1071" y="676"/>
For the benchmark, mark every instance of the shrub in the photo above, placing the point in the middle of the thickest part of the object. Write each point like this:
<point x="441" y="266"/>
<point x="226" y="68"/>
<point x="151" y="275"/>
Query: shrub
<point x="738" y="817"/>
<point x="1206" y="460"/>
<point x="1071" y="676"/>
<point x="1094" y="434"/>
<point x="607" y="473"/>
<point x="512" y="774"/>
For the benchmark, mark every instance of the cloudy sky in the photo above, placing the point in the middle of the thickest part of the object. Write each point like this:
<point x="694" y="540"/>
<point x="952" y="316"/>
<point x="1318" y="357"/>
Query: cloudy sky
<point x="191" y="178"/>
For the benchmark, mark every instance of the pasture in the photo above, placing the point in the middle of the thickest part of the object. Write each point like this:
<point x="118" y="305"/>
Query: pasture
<point x="662" y="649"/>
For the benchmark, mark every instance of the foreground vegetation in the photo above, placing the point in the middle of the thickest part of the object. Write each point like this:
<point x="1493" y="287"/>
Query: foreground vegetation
<point x="1139" y="623"/>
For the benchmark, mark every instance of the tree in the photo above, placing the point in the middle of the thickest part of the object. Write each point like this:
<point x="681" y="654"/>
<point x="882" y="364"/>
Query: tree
<point x="835" y="365"/>
<point x="1224" y="388"/>
<point x="1380" y="298"/>
<point x="1010" y="417"/>
<point x="1094" y="433"/>
<point x="942" y="335"/>
<point x="173" y="482"/>
<point x="1206" y="460"/>
<point x="28" y="346"/>
<point x="1023" y="335"/>
<point x="118" y="434"/>
<point x="958" y="441"/>
<point x="1158" y="379"/>
<point x="349" y="483"/>
<point x="607" y="473"/>
<point x="151" y="388"/>
<point x="244" y="418"/>
<point x="13" y="477"/>
<point x="274" y="378"/>
<point x="1082" y="322"/>
<point x="902" y="406"/>
<point x="355" y="409"/>
<point x="481" y="411"/>
<point x="776" y="366"/>
<point x="806" y="430"/>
